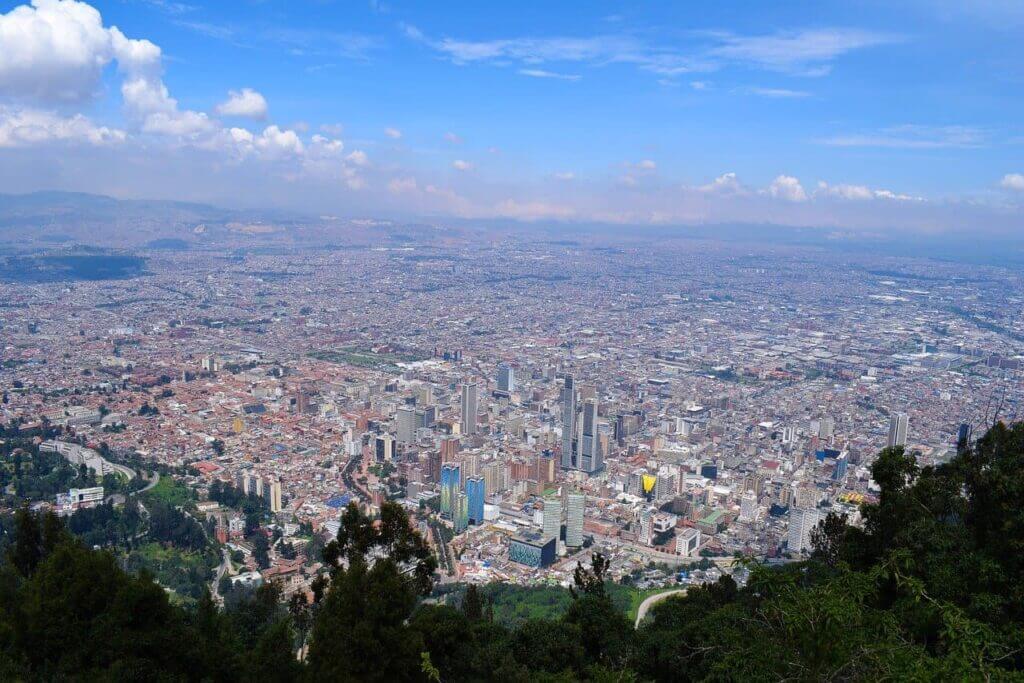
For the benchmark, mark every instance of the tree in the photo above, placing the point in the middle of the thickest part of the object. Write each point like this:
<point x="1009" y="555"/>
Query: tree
<point x="261" y="550"/>
<point x="472" y="603"/>
<point x="371" y="598"/>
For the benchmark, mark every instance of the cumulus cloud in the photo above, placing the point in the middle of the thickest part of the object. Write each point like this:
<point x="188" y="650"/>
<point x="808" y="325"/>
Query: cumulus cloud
<point x="27" y="127"/>
<point x="727" y="183"/>
<point x="860" y="193"/>
<point x="393" y="133"/>
<point x="246" y="103"/>
<point x="1013" y="181"/>
<point x="452" y="138"/>
<point x="54" y="51"/>
<point x="787" y="188"/>
<point x="460" y="165"/>
<point x="647" y="165"/>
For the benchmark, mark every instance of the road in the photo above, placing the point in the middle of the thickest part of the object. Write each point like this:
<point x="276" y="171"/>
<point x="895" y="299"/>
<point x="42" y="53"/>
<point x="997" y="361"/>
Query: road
<point x="215" y="587"/>
<point x="651" y="601"/>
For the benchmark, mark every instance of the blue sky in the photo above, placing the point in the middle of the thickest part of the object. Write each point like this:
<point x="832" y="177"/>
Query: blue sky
<point x="862" y="115"/>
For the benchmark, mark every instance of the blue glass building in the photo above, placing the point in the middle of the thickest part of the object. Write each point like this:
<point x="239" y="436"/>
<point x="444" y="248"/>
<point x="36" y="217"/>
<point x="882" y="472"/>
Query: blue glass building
<point x="475" y="496"/>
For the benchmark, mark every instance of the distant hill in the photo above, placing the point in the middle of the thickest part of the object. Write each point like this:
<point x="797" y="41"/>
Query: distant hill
<point x="44" y="219"/>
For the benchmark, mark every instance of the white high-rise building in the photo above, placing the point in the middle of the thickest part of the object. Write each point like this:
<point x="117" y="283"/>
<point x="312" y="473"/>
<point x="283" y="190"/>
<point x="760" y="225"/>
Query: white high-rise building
<point x="469" y="408"/>
<point x="275" y="496"/>
<point x="576" y="504"/>
<point x="801" y="522"/>
<point x="748" y="507"/>
<point x="553" y="517"/>
<point x="898" y="425"/>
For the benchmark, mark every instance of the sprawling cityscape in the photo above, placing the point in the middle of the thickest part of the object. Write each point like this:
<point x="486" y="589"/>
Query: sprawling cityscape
<point x="526" y="402"/>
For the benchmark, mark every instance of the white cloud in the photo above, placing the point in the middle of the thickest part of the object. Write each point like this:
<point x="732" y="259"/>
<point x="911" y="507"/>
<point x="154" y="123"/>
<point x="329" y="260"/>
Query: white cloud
<point x="727" y="183"/>
<point x="565" y="175"/>
<point x="245" y="103"/>
<point x="335" y="129"/>
<point x="699" y="85"/>
<point x="800" y="52"/>
<point x="807" y="53"/>
<point x="357" y="158"/>
<point x="860" y="193"/>
<point x="460" y="165"/>
<point x="1013" y="181"/>
<point x="452" y="138"/>
<point x="647" y="165"/>
<point x="393" y="133"/>
<point x="780" y="93"/>
<point x="27" y="127"/>
<point x="543" y="73"/>
<point x="53" y="51"/>
<point x="912" y="137"/>
<point x="787" y="188"/>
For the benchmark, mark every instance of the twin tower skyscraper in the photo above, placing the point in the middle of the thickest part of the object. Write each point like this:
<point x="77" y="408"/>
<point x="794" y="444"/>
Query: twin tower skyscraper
<point x="581" y="438"/>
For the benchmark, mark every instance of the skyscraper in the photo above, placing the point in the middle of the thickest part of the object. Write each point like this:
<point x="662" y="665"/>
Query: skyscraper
<point x="591" y="460"/>
<point x="506" y="379"/>
<point x="275" y="496"/>
<point x="384" y="448"/>
<point x="475" y="494"/>
<point x="451" y="480"/>
<point x="801" y="522"/>
<point x="460" y="512"/>
<point x="406" y="423"/>
<point x="898" y="425"/>
<point x="469" y="408"/>
<point x="748" y="507"/>
<point x="575" y="506"/>
<point x="553" y="517"/>
<point x="569" y="459"/>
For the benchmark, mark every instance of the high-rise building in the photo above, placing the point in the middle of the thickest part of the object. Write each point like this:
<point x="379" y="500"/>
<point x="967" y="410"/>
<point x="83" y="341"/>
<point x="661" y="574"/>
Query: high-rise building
<point x="899" y="423"/>
<point x="469" y="408"/>
<point x="460" y="512"/>
<point x="384" y="448"/>
<point x="506" y="379"/>
<point x="801" y="522"/>
<point x="553" y="517"/>
<point x="275" y="496"/>
<point x="748" y="507"/>
<point x="826" y="427"/>
<point x="569" y="443"/>
<point x="434" y="466"/>
<point x="475" y="494"/>
<point x="842" y="465"/>
<point x="406" y="425"/>
<point x="451" y="480"/>
<point x="575" y="506"/>
<point x="592" y="459"/>
<point x="449" y="448"/>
